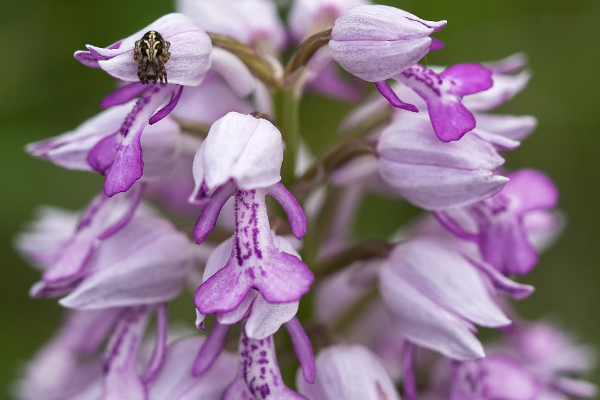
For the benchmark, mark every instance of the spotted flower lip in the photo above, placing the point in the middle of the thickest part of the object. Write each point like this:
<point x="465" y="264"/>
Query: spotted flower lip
<point x="263" y="318"/>
<point x="443" y="94"/>
<point x="258" y="374"/>
<point x="190" y="52"/>
<point x="255" y="261"/>
<point x="375" y="42"/>
<point x="436" y="175"/>
<point x="351" y="373"/>
<point x="436" y="295"/>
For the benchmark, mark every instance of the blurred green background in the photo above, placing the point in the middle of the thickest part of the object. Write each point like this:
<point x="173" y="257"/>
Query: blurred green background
<point x="46" y="92"/>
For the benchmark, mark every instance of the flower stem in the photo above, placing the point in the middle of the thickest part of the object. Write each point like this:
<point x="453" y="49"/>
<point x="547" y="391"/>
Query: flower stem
<point x="287" y="107"/>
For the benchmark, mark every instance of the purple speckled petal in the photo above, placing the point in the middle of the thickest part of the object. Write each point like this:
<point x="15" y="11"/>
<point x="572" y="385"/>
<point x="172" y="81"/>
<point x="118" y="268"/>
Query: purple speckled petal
<point x="166" y="110"/>
<point x="160" y="346"/>
<point x="211" y="349"/>
<point x="121" y="380"/>
<point x="190" y="51"/>
<point x="258" y="375"/>
<point x="123" y="95"/>
<point x="210" y="212"/>
<point x="349" y="373"/>
<point x="443" y="94"/>
<point x="303" y="349"/>
<point x="255" y="262"/>
<point x="387" y="92"/>
<point x="128" y="164"/>
<point x="292" y="209"/>
<point x="147" y="262"/>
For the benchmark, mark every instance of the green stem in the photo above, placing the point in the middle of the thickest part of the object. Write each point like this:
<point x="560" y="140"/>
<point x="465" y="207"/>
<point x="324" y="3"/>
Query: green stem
<point x="287" y="108"/>
<point x="258" y="65"/>
<point x="369" y="249"/>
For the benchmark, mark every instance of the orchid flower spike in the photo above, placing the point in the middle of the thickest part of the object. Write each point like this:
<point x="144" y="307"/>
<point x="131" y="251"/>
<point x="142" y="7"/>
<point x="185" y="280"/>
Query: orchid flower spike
<point x="242" y="157"/>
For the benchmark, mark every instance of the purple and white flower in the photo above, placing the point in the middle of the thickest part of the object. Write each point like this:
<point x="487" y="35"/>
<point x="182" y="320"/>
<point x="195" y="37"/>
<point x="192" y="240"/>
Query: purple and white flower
<point x="436" y="295"/>
<point x="375" y="42"/>
<point x="435" y="175"/>
<point x="242" y="157"/>
<point x="501" y="221"/>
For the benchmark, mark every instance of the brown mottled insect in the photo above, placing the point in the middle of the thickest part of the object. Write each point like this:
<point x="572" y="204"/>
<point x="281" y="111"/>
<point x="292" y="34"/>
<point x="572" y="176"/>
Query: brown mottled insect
<point x="152" y="53"/>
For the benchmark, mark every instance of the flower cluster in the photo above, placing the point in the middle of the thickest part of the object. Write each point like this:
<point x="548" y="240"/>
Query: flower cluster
<point x="220" y="144"/>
